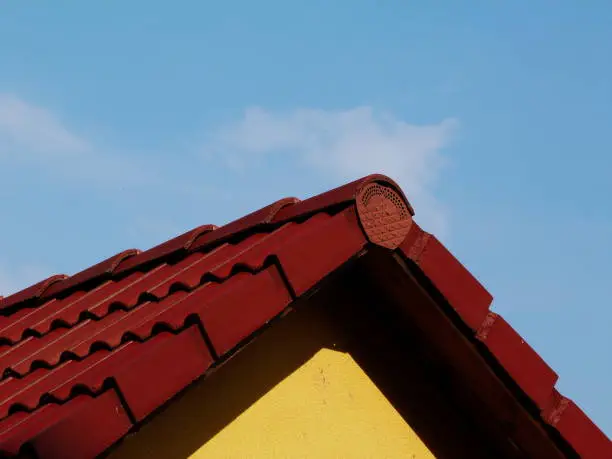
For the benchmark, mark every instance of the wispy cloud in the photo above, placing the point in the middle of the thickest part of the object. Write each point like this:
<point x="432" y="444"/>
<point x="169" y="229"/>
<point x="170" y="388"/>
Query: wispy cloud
<point x="346" y="144"/>
<point x="26" y="128"/>
<point x="35" y="137"/>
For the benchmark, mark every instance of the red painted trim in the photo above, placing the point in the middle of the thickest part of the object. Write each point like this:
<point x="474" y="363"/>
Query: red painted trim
<point x="466" y="296"/>
<point x="522" y="363"/>
<point x="464" y="293"/>
<point x="576" y="428"/>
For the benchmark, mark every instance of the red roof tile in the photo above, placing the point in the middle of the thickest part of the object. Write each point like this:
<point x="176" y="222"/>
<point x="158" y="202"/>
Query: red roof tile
<point x="79" y="352"/>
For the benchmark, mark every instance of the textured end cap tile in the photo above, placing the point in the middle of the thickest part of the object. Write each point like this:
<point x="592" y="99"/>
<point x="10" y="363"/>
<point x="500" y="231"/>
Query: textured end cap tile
<point x="383" y="214"/>
<point x="345" y="194"/>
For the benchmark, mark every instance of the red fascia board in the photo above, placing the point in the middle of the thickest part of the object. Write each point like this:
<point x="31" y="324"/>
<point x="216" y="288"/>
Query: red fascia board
<point x="521" y="362"/>
<point x="463" y="292"/>
<point x="577" y="429"/>
<point x="471" y="301"/>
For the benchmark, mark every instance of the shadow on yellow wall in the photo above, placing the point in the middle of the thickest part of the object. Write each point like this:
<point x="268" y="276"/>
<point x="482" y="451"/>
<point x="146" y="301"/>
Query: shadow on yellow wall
<point x="290" y="393"/>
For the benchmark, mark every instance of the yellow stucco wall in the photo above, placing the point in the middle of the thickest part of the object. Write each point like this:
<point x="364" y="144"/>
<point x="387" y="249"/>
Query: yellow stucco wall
<point x="324" y="407"/>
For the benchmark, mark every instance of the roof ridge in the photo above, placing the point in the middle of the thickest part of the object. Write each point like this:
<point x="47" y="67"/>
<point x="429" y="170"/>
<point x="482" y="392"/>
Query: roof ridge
<point x="200" y="238"/>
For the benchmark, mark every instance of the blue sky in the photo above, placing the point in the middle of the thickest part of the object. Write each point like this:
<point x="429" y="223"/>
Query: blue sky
<point x="125" y="123"/>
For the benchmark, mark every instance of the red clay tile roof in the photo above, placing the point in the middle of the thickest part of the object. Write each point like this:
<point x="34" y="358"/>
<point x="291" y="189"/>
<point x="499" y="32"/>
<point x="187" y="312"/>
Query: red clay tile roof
<point x="80" y="352"/>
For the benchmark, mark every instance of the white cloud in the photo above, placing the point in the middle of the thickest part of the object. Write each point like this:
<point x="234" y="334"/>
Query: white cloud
<point x="30" y="128"/>
<point x="33" y="136"/>
<point x="347" y="144"/>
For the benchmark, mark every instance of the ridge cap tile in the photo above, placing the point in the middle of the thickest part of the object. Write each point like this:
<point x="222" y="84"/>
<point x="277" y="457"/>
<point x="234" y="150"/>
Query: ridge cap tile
<point x="32" y="292"/>
<point x="255" y="219"/>
<point x="97" y="271"/>
<point x="181" y="242"/>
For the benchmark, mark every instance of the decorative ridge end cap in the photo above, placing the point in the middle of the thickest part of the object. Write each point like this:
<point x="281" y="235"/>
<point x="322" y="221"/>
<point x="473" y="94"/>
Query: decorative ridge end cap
<point x="384" y="212"/>
<point x="385" y="181"/>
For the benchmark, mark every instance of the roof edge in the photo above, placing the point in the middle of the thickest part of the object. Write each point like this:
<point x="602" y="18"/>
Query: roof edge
<point x="471" y="303"/>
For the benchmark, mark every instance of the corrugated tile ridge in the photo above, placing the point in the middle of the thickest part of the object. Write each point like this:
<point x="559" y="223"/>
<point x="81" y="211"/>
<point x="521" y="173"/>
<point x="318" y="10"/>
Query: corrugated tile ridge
<point x="155" y="329"/>
<point x="205" y="279"/>
<point x="144" y="297"/>
<point x="339" y="229"/>
<point x="50" y="398"/>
